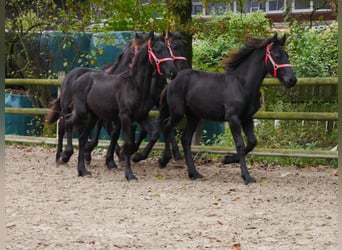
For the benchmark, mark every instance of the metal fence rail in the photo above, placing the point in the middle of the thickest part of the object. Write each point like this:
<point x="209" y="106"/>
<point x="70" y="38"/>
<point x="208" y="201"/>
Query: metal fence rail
<point x="323" y="116"/>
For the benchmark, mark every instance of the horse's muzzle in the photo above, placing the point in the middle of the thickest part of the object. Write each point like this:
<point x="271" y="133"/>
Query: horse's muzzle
<point x="290" y="82"/>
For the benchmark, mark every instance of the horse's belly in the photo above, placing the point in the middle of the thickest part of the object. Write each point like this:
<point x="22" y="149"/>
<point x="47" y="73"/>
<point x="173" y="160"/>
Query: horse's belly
<point x="208" y="112"/>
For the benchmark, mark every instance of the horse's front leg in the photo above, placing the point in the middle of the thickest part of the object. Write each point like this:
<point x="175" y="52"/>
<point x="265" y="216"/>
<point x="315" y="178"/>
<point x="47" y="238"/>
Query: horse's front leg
<point x="128" y="147"/>
<point x="146" y="125"/>
<point x="248" y="129"/>
<point x="190" y="128"/>
<point x="235" y="128"/>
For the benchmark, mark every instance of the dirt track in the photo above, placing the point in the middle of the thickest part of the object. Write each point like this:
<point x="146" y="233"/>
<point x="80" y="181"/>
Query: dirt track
<point x="49" y="207"/>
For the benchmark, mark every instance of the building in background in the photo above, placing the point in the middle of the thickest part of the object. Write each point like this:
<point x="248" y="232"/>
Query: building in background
<point x="276" y="10"/>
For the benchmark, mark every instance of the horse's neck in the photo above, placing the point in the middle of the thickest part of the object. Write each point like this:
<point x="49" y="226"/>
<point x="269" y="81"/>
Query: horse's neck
<point x="253" y="71"/>
<point x="142" y="76"/>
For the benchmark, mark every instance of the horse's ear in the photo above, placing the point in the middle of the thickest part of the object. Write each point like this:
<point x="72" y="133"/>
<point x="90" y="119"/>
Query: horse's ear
<point x="151" y="35"/>
<point x="282" y="40"/>
<point x="274" y="38"/>
<point x="169" y="34"/>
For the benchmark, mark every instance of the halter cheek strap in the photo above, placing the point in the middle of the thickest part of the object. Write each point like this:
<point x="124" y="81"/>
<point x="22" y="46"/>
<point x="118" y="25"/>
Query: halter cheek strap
<point x="171" y="53"/>
<point x="275" y="66"/>
<point x="157" y="61"/>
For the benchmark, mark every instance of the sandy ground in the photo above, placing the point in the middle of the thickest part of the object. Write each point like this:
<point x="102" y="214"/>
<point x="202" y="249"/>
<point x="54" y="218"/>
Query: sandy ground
<point x="50" y="207"/>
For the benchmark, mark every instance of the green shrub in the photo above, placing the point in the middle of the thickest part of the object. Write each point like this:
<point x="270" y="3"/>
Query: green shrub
<point x="313" y="51"/>
<point x="224" y="33"/>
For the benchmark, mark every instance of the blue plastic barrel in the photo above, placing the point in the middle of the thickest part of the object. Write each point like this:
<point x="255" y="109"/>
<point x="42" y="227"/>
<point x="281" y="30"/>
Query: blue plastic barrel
<point x="29" y="125"/>
<point x="212" y="130"/>
<point x="63" y="51"/>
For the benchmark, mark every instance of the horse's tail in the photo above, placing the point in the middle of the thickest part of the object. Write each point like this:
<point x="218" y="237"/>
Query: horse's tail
<point x="55" y="112"/>
<point x="163" y="109"/>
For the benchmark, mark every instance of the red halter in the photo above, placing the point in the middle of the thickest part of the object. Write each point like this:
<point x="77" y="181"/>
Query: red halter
<point x="156" y="60"/>
<point x="275" y="66"/>
<point x="171" y="52"/>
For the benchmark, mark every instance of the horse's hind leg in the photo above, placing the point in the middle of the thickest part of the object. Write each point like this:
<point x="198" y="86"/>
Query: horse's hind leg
<point x="166" y="157"/>
<point x="190" y="128"/>
<point x="84" y="132"/>
<point x="175" y="149"/>
<point x="69" y="149"/>
<point x="61" y="132"/>
<point x="112" y="146"/>
<point x="93" y="143"/>
<point x="235" y="128"/>
<point x="248" y="129"/>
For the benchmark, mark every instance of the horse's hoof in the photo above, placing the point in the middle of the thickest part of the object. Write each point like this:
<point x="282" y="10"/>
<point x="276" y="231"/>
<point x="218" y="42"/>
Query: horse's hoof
<point x="178" y="158"/>
<point x="194" y="176"/>
<point x="228" y="159"/>
<point x="84" y="173"/>
<point x="65" y="158"/>
<point x="112" y="166"/>
<point x="60" y="161"/>
<point x="131" y="178"/>
<point x="87" y="158"/>
<point x="163" y="161"/>
<point x="112" y="169"/>
<point x="248" y="180"/>
<point x="138" y="157"/>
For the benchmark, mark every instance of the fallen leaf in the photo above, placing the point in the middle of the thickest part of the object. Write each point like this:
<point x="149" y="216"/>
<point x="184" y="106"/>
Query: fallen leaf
<point x="219" y="222"/>
<point x="237" y="198"/>
<point x="236" y="246"/>
<point x="159" y="177"/>
<point x="284" y="174"/>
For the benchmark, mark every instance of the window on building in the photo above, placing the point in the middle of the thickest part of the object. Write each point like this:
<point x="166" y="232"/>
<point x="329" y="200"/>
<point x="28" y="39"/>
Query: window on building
<point x="275" y="5"/>
<point x="321" y="4"/>
<point x="254" y="5"/>
<point x="301" y="4"/>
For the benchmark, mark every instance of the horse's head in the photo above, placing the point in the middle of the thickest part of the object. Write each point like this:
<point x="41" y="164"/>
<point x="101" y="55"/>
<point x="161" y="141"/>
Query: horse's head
<point x="160" y="57"/>
<point x="176" y="46"/>
<point x="277" y="61"/>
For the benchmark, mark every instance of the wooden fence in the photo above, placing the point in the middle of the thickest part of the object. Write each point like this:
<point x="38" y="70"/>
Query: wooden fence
<point x="323" y="116"/>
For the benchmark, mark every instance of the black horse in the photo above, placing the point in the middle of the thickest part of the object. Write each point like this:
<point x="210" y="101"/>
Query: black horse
<point x="159" y="82"/>
<point x="122" y="98"/>
<point x="63" y="104"/>
<point x="232" y="96"/>
<point x="176" y="48"/>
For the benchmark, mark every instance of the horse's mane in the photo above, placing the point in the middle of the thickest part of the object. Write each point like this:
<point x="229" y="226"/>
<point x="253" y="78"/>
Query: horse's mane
<point x="236" y="58"/>
<point x="112" y="66"/>
<point x="174" y="35"/>
<point x="127" y="54"/>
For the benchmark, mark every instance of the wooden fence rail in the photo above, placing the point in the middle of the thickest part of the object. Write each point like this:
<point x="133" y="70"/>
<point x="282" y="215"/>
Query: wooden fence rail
<point x="325" y="116"/>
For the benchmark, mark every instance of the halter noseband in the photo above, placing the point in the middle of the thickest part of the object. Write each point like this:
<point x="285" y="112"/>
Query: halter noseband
<point x="157" y="61"/>
<point x="275" y="66"/>
<point x="171" y="53"/>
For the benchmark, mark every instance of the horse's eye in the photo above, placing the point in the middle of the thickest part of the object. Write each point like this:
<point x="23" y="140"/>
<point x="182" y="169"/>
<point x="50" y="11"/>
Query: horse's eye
<point x="276" y="55"/>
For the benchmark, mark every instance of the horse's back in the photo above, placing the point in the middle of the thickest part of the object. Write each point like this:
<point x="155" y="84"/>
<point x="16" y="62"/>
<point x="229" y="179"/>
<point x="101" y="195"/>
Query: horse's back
<point x="204" y="94"/>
